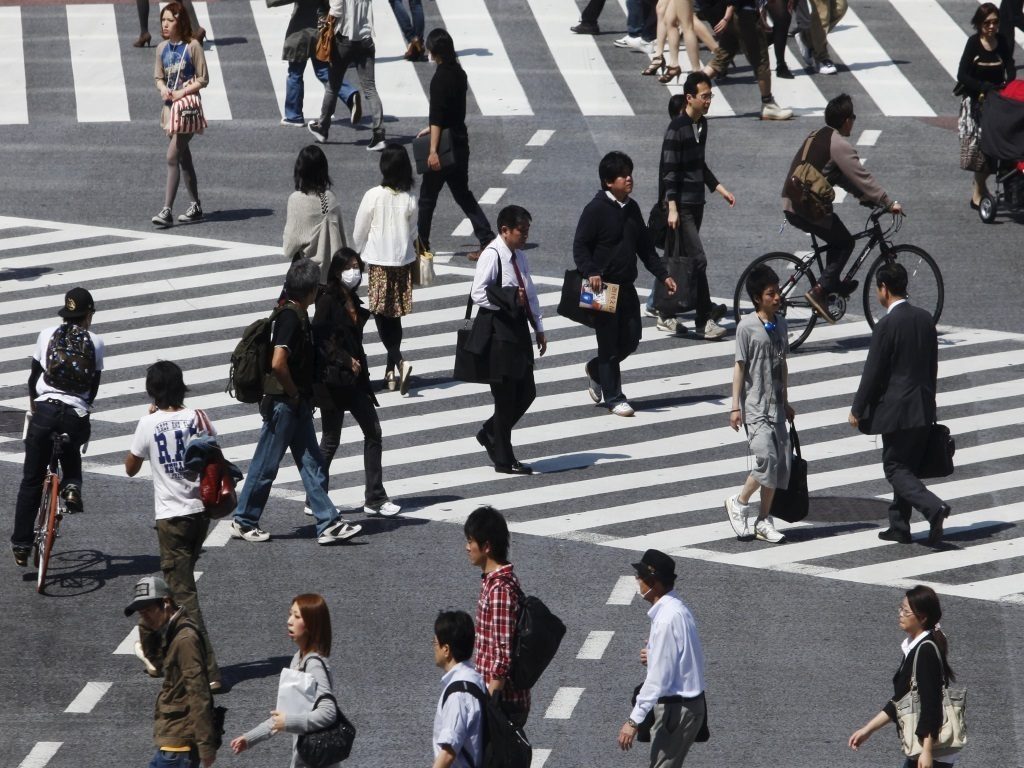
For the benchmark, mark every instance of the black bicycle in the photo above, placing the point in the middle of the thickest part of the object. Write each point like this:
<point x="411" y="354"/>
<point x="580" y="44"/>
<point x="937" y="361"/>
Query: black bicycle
<point x="52" y="509"/>
<point x="797" y="277"/>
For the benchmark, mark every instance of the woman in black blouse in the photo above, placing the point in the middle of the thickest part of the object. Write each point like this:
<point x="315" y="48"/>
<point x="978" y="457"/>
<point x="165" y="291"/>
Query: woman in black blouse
<point x="919" y="617"/>
<point x="448" y="113"/>
<point x="987" y="64"/>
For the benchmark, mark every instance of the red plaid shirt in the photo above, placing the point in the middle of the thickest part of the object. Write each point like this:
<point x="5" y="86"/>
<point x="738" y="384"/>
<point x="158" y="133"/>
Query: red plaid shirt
<point x="496" y="613"/>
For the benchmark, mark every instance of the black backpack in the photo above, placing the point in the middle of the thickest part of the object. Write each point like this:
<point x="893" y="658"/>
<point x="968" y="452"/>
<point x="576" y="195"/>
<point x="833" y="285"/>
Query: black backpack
<point x="250" y="362"/>
<point x="505" y="744"/>
<point x="70" y="362"/>
<point x="538" y="634"/>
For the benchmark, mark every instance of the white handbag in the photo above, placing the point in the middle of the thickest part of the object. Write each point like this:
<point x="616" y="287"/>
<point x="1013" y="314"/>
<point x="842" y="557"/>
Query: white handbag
<point x="952" y="734"/>
<point x="296" y="692"/>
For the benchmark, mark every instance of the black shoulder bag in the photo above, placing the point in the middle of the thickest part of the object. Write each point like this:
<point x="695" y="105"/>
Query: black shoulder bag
<point x="331" y="745"/>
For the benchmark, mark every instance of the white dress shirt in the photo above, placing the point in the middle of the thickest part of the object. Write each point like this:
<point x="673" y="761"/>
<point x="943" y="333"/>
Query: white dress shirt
<point x="894" y="305"/>
<point x="494" y="267"/>
<point x="675" y="659"/>
<point x="460" y="723"/>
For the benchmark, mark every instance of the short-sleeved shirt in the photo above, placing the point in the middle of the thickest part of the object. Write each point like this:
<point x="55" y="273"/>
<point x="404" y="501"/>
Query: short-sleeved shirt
<point x="459" y="721"/>
<point x="763" y="355"/>
<point x="291" y="330"/>
<point x="77" y="400"/>
<point x="161" y="438"/>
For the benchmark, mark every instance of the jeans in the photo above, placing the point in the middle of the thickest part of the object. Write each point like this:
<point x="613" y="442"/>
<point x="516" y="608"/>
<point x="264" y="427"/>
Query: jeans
<point x="345" y="52"/>
<point x="50" y="416"/>
<point x="411" y="27"/>
<point x="332" y="415"/>
<point x="634" y="18"/>
<point x="456" y="176"/>
<point x="285" y="427"/>
<point x="295" y="87"/>
<point x="618" y="336"/>
<point x="164" y="759"/>
<point x="840" y="246"/>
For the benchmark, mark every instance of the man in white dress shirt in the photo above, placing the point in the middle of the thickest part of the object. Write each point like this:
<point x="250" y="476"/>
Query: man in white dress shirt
<point x="674" y="687"/>
<point x="459" y="719"/>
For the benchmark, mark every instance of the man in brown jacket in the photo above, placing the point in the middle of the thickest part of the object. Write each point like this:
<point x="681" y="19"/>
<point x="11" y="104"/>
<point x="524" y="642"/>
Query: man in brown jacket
<point x="186" y="688"/>
<point x="837" y="160"/>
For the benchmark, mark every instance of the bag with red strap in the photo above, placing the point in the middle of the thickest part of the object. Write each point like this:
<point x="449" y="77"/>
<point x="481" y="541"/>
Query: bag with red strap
<point x="217" y="477"/>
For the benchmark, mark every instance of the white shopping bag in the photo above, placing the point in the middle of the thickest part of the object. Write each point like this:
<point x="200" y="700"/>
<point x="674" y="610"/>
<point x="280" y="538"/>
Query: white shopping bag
<point x="296" y="692"/>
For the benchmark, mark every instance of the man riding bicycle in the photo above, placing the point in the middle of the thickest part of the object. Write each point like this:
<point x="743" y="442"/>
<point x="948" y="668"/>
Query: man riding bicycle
<point x="65" y="376"/>
<point x="836" y="159"/>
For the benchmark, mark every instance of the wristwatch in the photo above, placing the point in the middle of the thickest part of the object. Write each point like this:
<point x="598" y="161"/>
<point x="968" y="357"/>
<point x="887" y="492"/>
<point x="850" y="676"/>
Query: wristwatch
<point x="631" y="723"/>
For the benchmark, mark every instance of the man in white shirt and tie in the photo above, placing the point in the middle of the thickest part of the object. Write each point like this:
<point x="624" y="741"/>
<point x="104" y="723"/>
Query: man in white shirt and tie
<point x="674" y="688"/>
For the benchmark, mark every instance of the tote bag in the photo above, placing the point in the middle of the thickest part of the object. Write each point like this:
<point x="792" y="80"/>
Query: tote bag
<point x="792" y="503"/>
<point x="952" y="733"/>
<point x="296" y="691"/>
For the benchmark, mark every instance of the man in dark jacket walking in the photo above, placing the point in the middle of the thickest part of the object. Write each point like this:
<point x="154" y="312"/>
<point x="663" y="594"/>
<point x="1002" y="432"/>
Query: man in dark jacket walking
<point x="610" y="235"/>
<point x="896" y="399"/>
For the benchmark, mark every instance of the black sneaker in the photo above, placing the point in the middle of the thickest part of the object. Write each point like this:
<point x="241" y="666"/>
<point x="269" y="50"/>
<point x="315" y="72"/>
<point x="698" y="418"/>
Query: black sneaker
<point x="847" y="287"/>
<point x="163" y="219"/>
<point x="193" y="213"/>
<point x="376" y="142"/>
<point x="782" y="71"/>
<point x="586" y="28"/>
<point x="72" y="496"/>
<point x="21" y="555"/>
<point x="319" y="132"/>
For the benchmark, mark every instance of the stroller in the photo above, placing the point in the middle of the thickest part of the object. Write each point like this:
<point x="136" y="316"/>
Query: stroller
<point x="1002" y="142"/>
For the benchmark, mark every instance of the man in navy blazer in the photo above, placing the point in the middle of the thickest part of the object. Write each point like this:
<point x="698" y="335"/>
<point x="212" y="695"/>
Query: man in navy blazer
<point x="896" y="399"/>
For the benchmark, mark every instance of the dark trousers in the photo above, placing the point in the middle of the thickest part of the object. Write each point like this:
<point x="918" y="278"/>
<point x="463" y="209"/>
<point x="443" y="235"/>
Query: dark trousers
<point x="902" y="453"/>
<point x="390" y="331"/>
<point x="690" y="218"/>
<point x="512" y="399"/>
<point x="361" y="407"/>
<point x="839" y="242"/>
<point x="181" y="542"/>
<point x="50" y="416"/>
<point x="618" y="336"/>
<point x="592" y="11"/>
<point x="456" y="176"/>
<point x="345" y="53"/>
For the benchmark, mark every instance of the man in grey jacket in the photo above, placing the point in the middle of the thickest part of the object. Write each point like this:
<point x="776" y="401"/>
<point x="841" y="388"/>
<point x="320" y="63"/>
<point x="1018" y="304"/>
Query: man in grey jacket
<point x="837" y="160"/>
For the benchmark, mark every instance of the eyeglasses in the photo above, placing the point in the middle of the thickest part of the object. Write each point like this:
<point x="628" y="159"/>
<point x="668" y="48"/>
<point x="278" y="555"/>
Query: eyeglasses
<point x="706" y="96"/>
<point x="990" y="23"/>
<point x="905" y="611"/>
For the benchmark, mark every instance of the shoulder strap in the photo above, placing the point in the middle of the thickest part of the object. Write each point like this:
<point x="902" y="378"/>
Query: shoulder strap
<point x="913" y="671"/>
<point x="463" y="686"/>
<point x="807" y="146"/>
<point x="469" y="306"/>
<point x="795" y="438"/>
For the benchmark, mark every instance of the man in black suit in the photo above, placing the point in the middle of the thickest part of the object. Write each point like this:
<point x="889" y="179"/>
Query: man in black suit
<point x="896" y="399"/>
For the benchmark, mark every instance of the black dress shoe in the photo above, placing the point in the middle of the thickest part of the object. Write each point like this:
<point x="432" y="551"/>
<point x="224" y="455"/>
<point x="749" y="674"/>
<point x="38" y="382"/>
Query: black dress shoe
<point x="485" y="440"/>
<point x="515" y="468"/>
<point x="890" y="535"/>
<point x="586" y="28"/>
<point x="974" y="206"/>
<point x="935" y="527"/>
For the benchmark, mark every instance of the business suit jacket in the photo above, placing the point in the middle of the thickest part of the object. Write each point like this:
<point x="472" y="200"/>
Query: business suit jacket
<point x="897" y="387"/>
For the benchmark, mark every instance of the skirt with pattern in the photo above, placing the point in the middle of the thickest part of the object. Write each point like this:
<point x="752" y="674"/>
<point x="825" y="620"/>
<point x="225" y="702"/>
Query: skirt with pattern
<point x="390" y="290"/>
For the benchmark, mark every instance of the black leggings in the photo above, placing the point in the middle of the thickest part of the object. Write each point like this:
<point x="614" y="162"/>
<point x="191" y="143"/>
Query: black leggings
<point x="390" y="331"/>
<point x="179" y="161"/>
<point x="781" y="18"/>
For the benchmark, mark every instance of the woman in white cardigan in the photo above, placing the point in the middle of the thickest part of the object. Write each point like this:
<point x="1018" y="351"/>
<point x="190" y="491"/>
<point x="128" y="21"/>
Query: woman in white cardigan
<point x="313" y="227"/>
<point x="383" y="238"/>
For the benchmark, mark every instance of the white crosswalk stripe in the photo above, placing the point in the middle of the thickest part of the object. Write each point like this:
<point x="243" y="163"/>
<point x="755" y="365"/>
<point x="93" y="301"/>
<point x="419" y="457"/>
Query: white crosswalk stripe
<point x="600" y="81"/>
<point x="657" y="479"/>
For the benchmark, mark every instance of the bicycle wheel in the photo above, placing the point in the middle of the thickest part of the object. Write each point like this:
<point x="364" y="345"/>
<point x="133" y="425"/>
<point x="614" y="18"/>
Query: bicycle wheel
<point x="46" y="529"/>
<point x="794" y="282"/>
<point x="924" y="282"/>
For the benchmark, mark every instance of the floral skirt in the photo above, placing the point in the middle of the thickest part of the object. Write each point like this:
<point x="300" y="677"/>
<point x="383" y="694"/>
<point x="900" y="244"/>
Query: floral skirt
<point x="390" y="290"/>
<point x="969" y="128"/>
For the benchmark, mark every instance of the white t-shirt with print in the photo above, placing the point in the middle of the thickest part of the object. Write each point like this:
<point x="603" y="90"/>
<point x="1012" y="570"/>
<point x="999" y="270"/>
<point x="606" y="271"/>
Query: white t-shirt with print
<point x="75" y="399"/>
<point x="161" y="437"/>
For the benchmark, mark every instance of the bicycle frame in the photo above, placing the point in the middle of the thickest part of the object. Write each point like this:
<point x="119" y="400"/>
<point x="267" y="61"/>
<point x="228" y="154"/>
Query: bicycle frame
<point x="875" y="236"/>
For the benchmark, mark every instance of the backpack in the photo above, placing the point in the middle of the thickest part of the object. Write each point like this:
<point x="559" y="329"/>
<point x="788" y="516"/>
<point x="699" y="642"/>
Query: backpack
<point x="505" y="745"/>
<point x="807" y="185"/>
<point x="250" y="362"/>
<point x="70" y="362"/>
<point x="538" y="634"/>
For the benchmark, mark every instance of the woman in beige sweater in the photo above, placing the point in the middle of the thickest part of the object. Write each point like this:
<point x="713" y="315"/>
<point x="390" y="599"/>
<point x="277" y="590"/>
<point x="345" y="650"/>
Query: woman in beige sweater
<point x="313" y="227"/>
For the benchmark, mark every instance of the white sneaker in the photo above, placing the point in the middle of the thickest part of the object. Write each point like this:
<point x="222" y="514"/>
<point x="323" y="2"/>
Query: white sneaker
<point x="764" y="530"/>
<point x="339" y="530"/>
<point x="249" y="533"/>
<point x="826" y="67"/>
<point x="593" y="388"/>
<point x="738" y="516"/>
<point x="651" y="312"/>
<point x="623" y="409"/>
<point x="387" y="509"/>
<point x="151" y="669"/>
<point x="713" y="331"/>
<point x="633" y="43"/>
<point x="667" y="324"/>
<point x="772" y="111"/>
<point x="307" y="511"/>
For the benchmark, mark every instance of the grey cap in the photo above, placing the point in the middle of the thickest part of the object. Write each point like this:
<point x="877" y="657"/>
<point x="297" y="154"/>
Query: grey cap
<point x="149" y="589"/>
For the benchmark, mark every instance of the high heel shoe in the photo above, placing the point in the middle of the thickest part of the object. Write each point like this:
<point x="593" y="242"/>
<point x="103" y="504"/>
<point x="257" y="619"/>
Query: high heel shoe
<point x="671" y="73"/>
<point x="657" y="64"/>
<point x="142" y="41"/>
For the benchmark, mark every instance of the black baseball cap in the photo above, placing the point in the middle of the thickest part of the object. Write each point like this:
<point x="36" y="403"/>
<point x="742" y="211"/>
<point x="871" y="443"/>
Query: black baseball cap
<point x="77" y="303"/>
<point x="656" y="565"/>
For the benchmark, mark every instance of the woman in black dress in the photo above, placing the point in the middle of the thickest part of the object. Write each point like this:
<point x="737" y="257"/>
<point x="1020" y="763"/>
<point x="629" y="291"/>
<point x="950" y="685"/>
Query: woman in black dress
<point x="925" y="646"/>
<point x="448" y="114"/>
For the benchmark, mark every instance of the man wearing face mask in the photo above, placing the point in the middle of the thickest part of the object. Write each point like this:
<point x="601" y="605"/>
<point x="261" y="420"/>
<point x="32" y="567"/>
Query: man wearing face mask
<point x="673" y="690"/>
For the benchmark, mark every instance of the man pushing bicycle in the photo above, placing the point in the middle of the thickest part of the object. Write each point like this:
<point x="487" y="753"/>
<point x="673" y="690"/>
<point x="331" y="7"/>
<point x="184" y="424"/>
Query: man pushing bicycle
<point x="826" y="159"/>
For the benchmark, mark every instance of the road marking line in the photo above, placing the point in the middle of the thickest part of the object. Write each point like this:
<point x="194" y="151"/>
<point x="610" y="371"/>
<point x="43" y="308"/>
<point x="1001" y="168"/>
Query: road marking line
<point x="465" y="228"/>
<point x="220" y="535"/>
<point x="516" y="166"/>
<point x="88" y="698"/>
<point x="801" y="94"/>
<point x="623" y="591"/>
<point x="214" y="95"/>
<point x="397" y="79"/>
<point x="100" y="92"/>
<point x="935" y="562"/>
<point x="13" y="89"/>
<point x="491" y="196"/>
<point x="127" y="646"/>
<point x="563" y="703"/>
<point x="936" y="28"/>
<point x="540" y="756"/>
<point x="840" y="195"/>
<point x="540" y="138"/>
<point x="41" y="754"/>
<point x="595" y="645"/>
<point x="868" y="138"/>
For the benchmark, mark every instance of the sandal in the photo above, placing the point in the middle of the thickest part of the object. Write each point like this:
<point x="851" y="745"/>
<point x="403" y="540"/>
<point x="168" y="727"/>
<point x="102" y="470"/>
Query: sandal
<point x="657" y="64"/>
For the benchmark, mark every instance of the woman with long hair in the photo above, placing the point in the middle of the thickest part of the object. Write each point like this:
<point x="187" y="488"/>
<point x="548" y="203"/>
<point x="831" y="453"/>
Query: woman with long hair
<point x="383" y="237"/>
<point x="925" y="650"/>
<point x="448" y="113"/>
<point x="313" y="226"/>
<point x="309" y="627"/>
<point x="180" y="71"/>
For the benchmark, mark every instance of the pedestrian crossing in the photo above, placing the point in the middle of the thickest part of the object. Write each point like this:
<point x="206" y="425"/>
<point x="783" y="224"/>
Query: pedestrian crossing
<point x="505" y="80"/>
<point x="657" y="479"/>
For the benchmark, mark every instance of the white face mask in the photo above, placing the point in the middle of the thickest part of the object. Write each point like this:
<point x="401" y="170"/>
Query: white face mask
<point x="351" y="278"/>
